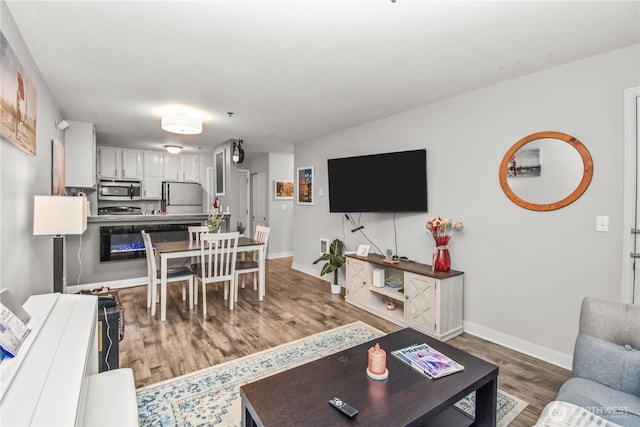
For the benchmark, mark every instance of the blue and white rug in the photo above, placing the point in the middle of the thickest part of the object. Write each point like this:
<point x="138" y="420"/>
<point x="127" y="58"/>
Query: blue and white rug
<point x="211" y="396"/>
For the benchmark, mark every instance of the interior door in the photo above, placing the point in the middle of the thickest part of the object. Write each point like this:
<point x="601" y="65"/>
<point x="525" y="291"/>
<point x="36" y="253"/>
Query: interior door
<point x="242" y="208"/>
<point x="258" y="200"/>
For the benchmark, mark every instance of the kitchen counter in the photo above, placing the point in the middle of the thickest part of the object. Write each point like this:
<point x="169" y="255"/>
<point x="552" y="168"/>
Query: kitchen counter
<point x="150" y="218"/>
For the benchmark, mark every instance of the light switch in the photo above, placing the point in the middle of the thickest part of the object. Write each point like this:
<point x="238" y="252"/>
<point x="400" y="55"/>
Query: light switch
<point x="602" y="223"/>
<point x="320" y="192"/>
<point x="284" y="207"/>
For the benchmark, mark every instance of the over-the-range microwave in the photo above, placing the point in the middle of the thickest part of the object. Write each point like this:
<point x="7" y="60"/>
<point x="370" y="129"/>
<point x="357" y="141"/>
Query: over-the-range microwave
<point x="114" y="189"/>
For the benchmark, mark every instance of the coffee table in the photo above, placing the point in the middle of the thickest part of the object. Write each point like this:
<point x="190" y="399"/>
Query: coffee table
<point x="300" y="396"/>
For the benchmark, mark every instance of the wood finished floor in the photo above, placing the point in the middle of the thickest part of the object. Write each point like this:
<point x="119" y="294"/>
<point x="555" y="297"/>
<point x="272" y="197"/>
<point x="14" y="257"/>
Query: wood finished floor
<point x="296" y="306"/>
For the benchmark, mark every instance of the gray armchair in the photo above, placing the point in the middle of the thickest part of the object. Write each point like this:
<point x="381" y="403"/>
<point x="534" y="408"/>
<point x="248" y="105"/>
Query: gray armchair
<point x="606" y="362"/>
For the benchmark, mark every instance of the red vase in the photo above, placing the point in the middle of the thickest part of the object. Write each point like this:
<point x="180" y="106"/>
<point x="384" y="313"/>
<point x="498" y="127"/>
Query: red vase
<point x="441" y="256"/>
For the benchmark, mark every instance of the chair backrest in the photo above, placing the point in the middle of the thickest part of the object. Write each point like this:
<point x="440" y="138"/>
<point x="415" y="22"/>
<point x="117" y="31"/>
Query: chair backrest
<point x="196" y="230"/>
<point x="218" y="253"/>
<point x="151" y="256"/>
<point x="262" y="234"/>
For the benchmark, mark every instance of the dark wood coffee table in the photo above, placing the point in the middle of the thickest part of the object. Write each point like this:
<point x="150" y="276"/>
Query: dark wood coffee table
<point x="300" y="395"/>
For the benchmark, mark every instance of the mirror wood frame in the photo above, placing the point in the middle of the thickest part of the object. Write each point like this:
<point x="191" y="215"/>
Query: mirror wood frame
<point x="587" y="174"/>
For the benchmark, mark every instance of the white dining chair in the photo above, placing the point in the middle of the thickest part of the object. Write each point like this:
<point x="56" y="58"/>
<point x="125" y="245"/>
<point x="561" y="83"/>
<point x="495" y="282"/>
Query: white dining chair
<point x="218" y="252"/>
<point x="177" y="274"/>
<point x="250" y="264"/>
<point x="194" y="235"/>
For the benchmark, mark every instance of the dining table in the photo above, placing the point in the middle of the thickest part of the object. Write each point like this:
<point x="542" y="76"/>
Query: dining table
<point x="190" y="248"/>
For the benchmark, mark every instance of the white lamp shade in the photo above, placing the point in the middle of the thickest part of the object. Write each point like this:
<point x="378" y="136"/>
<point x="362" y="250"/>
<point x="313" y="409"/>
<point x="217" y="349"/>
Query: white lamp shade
<point x="59" y="215"/>
<point x="181" y="123"/>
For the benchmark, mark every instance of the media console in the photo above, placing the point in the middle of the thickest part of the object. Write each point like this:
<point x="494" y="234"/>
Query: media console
<point x="430" y="302"/>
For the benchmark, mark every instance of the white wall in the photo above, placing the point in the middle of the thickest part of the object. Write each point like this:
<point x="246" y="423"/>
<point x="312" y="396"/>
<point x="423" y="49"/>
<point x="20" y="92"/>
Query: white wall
<point x="526" y="272"/>
<point x="26" y="265"/>
<point x="280" y="215"/>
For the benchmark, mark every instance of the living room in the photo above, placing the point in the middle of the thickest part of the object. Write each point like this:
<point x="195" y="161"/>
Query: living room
<point x="526" y="272"/>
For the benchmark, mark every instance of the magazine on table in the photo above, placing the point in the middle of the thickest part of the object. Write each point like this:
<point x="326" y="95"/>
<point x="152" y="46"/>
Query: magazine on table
<point x="427" y="360"/>
<point x="13" y="325"/>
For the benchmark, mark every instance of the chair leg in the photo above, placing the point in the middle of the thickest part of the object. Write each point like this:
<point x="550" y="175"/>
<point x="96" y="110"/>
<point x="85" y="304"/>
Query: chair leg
<point x="184" y="293"/>
<point x="195" y="293"/>
<point x="226" y="290"/>
<point x="204" y="301"/>
<point x="149" y="292"/>
<point x="191" y="293"/>
<point x="236" y="289"/>
<point x="255" y="281"/>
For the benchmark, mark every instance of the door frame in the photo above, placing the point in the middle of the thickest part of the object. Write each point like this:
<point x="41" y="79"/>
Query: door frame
<point x="630" y="194"/>
<point x="247" y="218"/>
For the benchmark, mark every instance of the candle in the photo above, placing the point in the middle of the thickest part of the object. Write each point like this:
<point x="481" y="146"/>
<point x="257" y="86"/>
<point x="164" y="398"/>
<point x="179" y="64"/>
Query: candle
<point x="377" y="360"/>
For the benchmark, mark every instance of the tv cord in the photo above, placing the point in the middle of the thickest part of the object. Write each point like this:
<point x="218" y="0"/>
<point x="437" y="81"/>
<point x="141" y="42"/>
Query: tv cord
<point x="106" y="356"/>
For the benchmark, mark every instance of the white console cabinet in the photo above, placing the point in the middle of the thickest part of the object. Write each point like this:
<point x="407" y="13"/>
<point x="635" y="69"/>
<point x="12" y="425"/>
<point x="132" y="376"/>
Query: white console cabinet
<point x="430" y="302"/>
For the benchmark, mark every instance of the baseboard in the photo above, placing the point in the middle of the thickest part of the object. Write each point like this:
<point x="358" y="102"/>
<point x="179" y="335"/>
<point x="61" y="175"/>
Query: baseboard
<point x="551" y="356"/>
<point x="306" y="270"/>
<point x="112" y="284"/>
<point x="279" y="255"/>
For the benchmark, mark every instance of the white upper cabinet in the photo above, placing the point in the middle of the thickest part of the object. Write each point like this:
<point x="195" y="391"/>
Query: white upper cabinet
<point x="190" y="167"/>
<point x="119" y="163"/>
<point x="80" y="155"/>
<point x="171" y="165"/>
<point x="131" y="164"/>
<point x="180" y="167"/>
<point x="152" y="179"/>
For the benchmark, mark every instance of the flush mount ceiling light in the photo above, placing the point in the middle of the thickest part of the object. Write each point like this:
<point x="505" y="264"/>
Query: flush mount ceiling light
<point x="173" y="149"/>
<point x="238" y="152"/>
<point x="181" y="123"/>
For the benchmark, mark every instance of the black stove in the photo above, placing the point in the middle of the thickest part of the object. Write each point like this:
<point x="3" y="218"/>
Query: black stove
<point x="120" y="210"/>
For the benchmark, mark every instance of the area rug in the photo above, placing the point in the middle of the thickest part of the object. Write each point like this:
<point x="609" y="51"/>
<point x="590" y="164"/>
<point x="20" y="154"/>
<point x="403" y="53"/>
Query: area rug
<point x="211" y="396"/>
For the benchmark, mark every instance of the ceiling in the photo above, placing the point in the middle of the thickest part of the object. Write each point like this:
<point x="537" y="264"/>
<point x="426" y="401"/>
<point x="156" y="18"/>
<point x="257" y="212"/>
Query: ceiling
<point x="294" y="70"/>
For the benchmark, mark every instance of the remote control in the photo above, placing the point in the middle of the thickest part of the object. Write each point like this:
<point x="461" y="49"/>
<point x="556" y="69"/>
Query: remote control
<point x="343" y="407"/>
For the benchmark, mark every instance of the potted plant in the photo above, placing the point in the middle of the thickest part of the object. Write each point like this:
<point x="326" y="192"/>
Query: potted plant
<point x="335" y="259"/>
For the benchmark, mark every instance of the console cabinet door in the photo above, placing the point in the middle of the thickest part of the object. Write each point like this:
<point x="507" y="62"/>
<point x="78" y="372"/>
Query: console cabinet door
<point x="421" y="305"/>
<point x="358" y="277"/>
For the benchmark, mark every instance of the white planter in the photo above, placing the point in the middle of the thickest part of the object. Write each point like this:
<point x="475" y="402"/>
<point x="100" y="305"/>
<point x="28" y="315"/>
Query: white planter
<point x="336" y="289"/>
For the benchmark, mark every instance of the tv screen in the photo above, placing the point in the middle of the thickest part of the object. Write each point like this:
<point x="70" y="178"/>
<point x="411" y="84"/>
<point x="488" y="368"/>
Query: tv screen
<point x="389" y="182"/>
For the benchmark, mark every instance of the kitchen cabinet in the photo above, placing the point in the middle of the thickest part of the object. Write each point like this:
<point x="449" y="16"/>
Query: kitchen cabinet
<point x="119" y="163"/>
<point x="190" y="168"/>
<point x="180" y="167"/>
<point x="152" y="176"/>
<point x="412" y="295"/>
<point x="80" y="155"/>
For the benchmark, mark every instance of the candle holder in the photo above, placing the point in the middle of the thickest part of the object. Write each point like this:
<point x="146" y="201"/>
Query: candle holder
<point x="377" y="364"/>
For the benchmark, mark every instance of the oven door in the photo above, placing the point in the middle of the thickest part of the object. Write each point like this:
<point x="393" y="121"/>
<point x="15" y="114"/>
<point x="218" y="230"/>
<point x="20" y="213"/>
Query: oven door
<point x="124" y="190"/>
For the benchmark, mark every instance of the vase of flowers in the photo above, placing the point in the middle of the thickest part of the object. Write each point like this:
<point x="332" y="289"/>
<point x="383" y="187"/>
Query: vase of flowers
<point x="442" y="230"/>
<point x="214" y="222"/>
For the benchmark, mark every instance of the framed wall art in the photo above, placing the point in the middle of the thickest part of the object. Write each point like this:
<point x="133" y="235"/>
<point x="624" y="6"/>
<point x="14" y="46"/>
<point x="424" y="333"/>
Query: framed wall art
<point x="19" y="101"/>
<point x="304" y="185"/>
<point x="283" y="190"/>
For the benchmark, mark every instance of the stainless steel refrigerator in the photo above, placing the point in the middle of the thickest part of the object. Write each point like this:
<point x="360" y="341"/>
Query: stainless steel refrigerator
<point x="181" y="197"/>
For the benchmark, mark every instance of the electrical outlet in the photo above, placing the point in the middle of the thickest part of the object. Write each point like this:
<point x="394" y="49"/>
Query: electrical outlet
<point x="602" y="223"/>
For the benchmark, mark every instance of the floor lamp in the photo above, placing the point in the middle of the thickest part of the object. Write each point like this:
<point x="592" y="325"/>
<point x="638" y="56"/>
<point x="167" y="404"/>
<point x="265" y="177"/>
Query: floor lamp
<point x="59" y="216"/>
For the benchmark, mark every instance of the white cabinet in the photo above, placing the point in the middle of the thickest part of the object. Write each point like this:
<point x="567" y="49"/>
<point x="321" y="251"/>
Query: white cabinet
<point x="190" y="168"/>
<point x="180" y="167"/>
<point x="430" y="302"/>
<point x="171" y="167"/>
<point x="152" y="178"/>
<point x="358" y="278"/>
<point x="131" y="162"/>
<point x="80" y="155"/>
<point x="119" y="163"/>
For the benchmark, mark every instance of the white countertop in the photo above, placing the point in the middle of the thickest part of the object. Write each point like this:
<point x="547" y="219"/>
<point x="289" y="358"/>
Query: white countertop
<point x="150" y="218"/>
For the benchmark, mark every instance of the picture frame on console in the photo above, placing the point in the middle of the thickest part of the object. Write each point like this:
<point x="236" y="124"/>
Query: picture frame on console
<point x="219" y="173"/>
<point x="304" y="185"/>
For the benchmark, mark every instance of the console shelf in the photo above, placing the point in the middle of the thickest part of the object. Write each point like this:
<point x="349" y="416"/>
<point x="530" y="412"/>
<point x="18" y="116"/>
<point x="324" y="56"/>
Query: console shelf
<point x="428" y="301"/>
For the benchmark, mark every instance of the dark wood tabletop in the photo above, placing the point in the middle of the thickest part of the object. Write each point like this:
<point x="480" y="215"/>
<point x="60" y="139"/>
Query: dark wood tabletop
<point x="187" y="245"/>
<point x="300" y="395"/>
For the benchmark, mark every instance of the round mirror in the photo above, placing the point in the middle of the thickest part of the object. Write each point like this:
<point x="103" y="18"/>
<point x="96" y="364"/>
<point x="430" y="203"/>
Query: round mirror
<point x="546" y="171"/>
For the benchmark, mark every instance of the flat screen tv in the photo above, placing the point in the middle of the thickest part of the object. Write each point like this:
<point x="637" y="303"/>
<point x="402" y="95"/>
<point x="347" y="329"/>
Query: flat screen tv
<point x="389" y="182"/>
